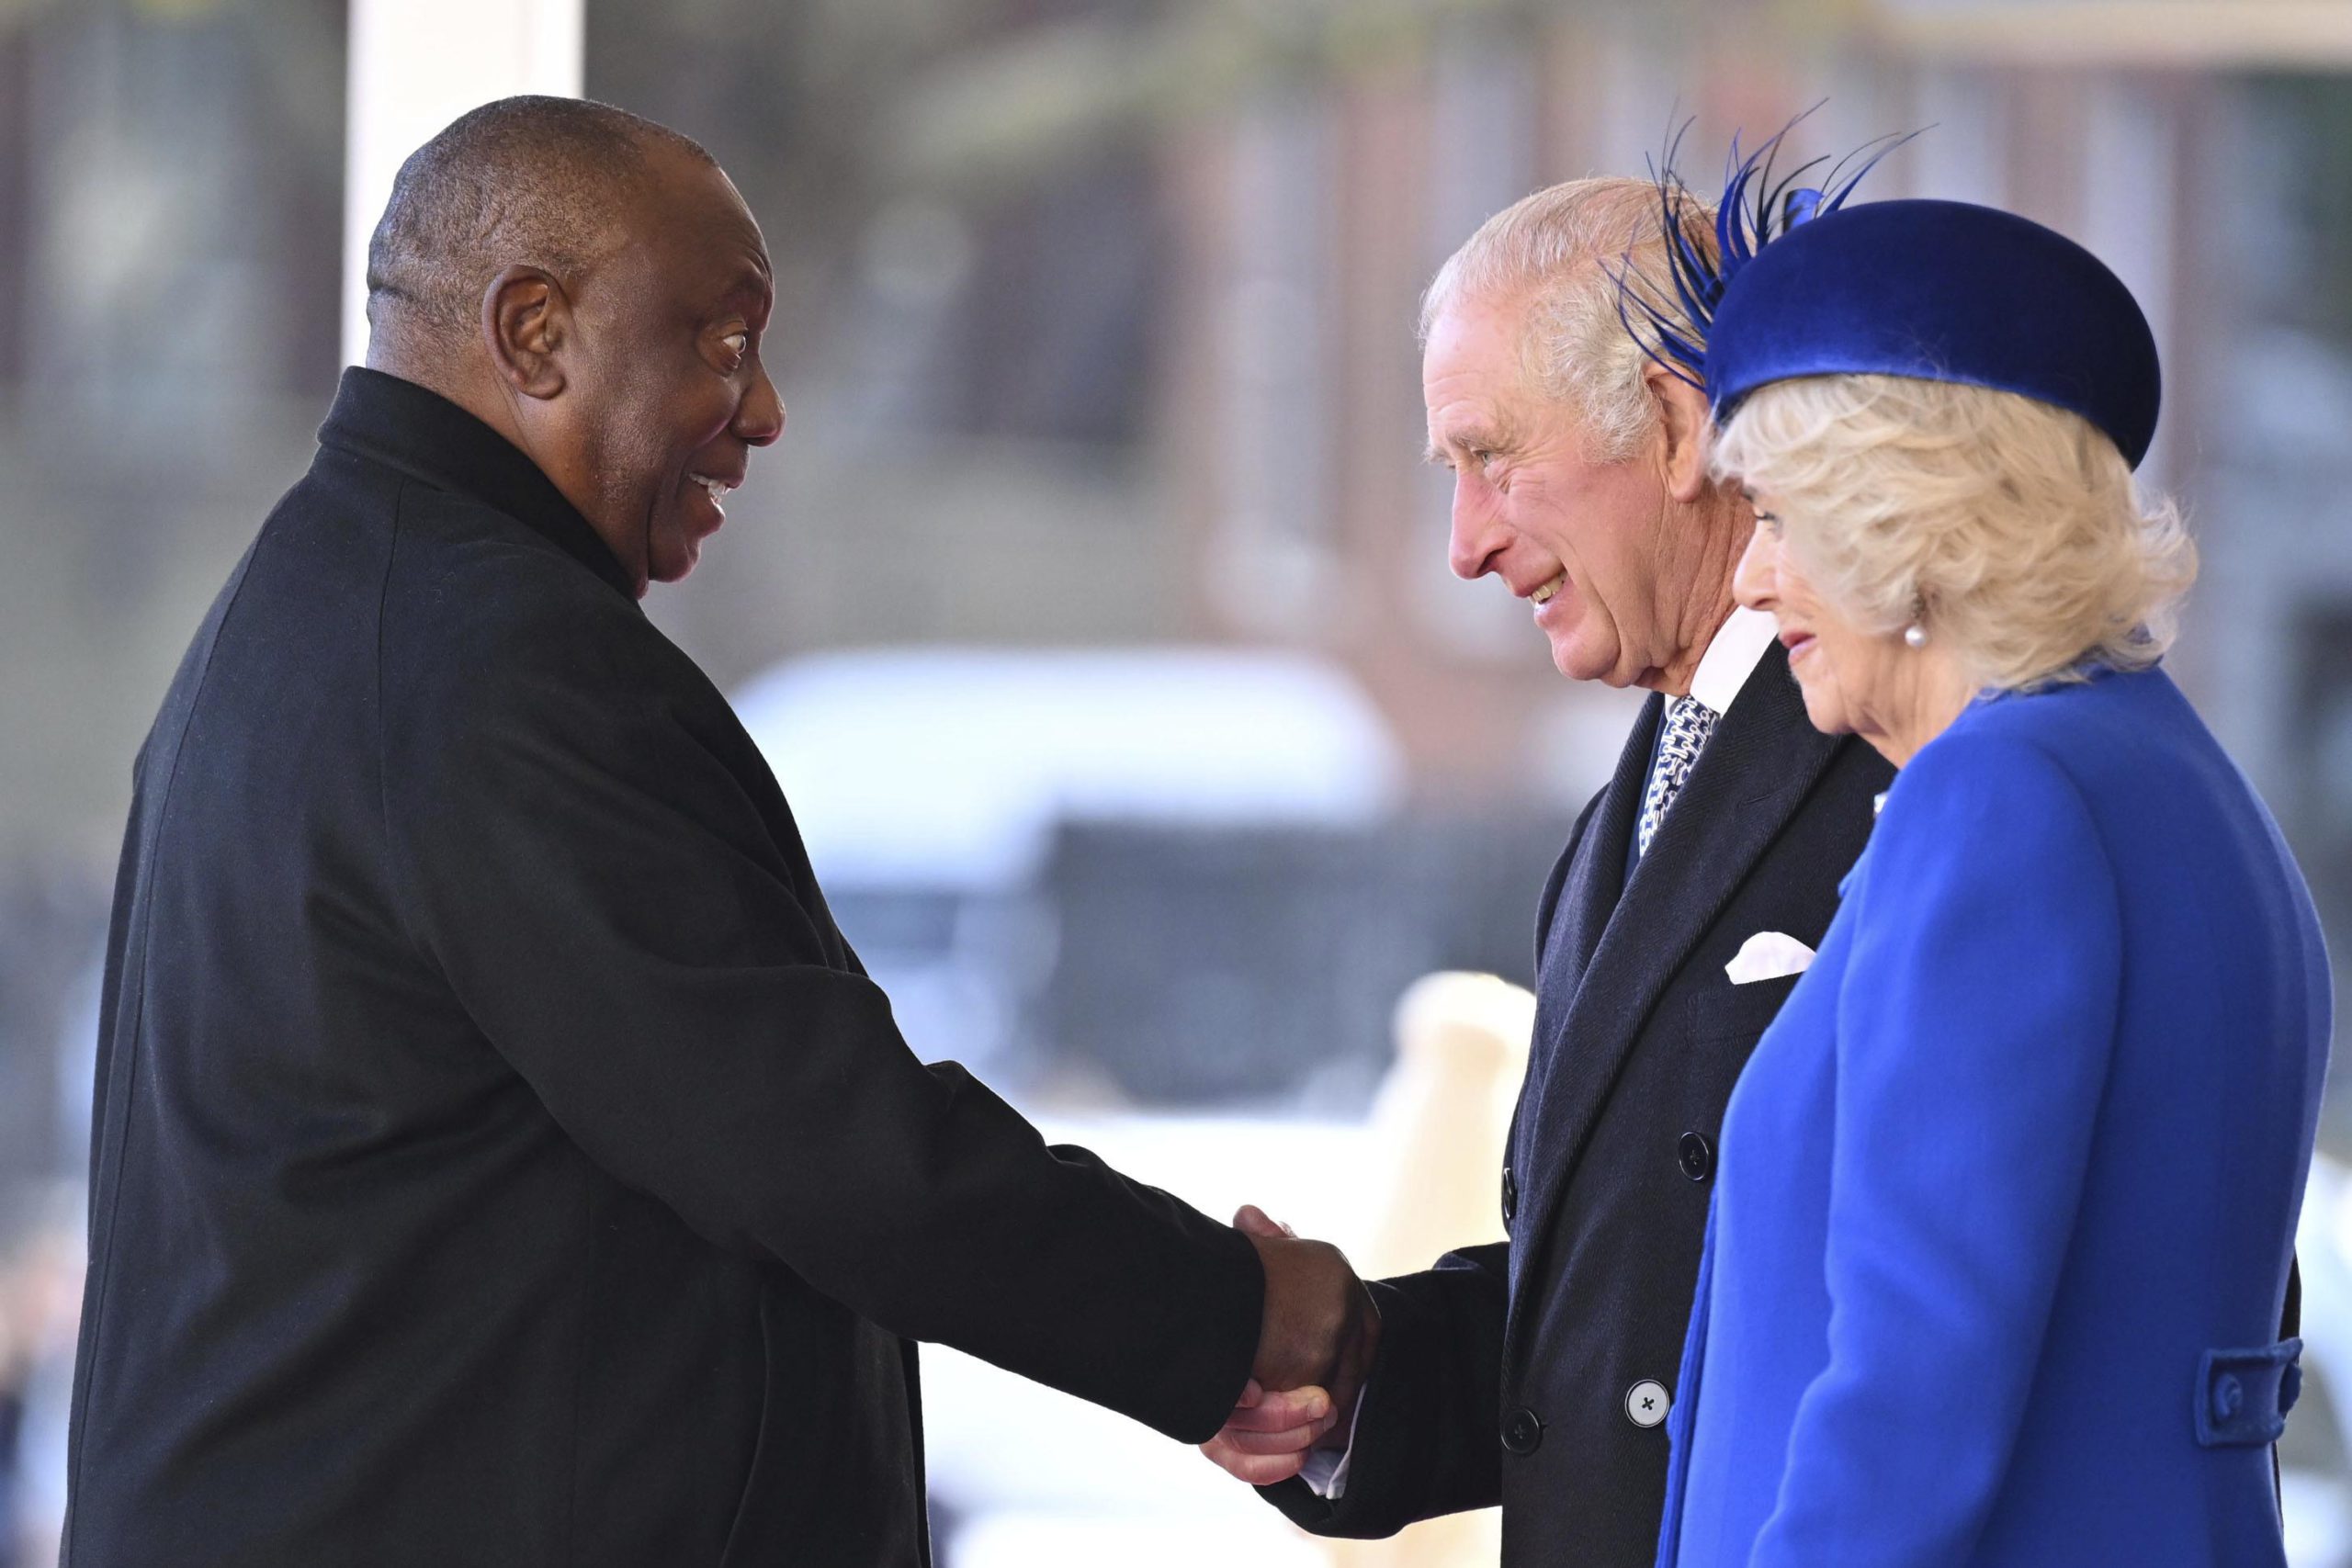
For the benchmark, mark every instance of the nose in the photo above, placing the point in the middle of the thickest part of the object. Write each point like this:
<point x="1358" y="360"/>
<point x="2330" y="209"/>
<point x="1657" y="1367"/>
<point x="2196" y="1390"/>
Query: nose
<point x="1756" y="582"/>
<point x="1478" y="534"/>
<point x="759" y="418"/>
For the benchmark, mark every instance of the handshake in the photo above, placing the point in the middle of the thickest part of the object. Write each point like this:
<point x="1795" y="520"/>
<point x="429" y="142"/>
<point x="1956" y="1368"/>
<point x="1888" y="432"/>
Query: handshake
<point x="1315" y="1350"/>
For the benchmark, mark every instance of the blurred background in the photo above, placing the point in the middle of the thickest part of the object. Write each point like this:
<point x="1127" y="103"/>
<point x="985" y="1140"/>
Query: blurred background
<point x="1093" y="610"/>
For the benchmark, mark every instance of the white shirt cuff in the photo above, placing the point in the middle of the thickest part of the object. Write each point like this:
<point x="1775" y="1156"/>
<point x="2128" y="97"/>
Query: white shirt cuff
<point x="1326" y="1470"/>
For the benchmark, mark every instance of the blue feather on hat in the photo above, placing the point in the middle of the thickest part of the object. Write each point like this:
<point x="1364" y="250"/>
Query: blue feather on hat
<point x="1803" y="285"/>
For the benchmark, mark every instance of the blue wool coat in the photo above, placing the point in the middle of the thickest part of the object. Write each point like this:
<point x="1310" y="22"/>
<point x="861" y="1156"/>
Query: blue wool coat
<point x="2008" y="1192"/>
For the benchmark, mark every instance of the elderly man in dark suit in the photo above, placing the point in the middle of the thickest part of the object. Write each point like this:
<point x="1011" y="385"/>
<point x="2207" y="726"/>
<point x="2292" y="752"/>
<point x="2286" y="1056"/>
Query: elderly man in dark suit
<point x="1538" y="1373"/>
<point x="500" y="1157"/>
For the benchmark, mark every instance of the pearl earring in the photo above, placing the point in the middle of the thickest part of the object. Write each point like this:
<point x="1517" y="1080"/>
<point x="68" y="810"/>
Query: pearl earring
<point x="1915" y="635"/>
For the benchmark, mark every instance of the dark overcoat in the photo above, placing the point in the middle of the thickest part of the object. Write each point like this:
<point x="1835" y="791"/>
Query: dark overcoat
<point x="499" y="1157"/>
<point x="1537" y="1374"/>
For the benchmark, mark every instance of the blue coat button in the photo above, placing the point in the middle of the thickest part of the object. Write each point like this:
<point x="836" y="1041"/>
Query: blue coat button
<point x="1522" y="1430"/>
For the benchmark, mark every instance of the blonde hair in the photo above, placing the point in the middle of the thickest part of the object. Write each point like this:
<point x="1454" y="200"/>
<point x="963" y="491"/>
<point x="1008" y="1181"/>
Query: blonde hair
<point x="2013" y="527"/>
<point x="1562" y="250"/>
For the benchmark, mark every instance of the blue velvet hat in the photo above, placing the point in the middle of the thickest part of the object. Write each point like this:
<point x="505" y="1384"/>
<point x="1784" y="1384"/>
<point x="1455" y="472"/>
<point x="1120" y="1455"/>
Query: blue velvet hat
<point x="1937" y="290"/>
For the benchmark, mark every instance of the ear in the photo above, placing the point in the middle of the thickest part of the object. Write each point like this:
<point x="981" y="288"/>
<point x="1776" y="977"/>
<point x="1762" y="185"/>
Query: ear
<point x="525" y="323"/>
<point x="1684" y="425"/>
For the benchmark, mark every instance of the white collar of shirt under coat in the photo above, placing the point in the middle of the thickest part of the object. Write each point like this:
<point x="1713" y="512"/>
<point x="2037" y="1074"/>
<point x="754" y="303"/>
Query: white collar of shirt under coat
<point x="1738" y="646"/>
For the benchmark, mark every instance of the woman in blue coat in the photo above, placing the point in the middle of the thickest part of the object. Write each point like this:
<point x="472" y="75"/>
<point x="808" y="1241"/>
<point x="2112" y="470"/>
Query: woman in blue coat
<point x="2008" y="1193"/>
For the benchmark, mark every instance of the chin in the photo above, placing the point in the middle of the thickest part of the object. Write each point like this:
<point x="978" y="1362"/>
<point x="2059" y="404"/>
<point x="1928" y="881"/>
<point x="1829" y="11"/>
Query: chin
<point x="1827" y="713"/>
<point x="676" y="560"/>
<point x="1578" y="662"/>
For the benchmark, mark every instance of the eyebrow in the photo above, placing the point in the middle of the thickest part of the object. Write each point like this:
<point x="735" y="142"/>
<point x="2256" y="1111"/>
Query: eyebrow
<point x="750" y="290"/>
<point x="1476" y="438"/>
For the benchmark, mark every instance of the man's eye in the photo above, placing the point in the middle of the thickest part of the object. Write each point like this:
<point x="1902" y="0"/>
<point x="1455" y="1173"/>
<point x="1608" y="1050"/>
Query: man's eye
<point x="738" y="343"/>
<point x="1770" y="520"/>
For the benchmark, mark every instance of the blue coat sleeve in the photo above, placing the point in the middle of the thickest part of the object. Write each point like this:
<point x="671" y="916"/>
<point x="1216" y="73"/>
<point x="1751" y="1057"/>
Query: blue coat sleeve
<point x="1975" y="1027"/>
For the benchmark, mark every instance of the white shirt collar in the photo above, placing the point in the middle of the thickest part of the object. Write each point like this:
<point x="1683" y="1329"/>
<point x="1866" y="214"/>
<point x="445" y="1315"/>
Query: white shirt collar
<point x="1732" y="657"/>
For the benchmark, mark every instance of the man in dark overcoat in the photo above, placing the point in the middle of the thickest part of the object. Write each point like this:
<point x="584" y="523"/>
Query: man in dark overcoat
<point x="500" y="1159"/>
<point x="1537" y="1374"/>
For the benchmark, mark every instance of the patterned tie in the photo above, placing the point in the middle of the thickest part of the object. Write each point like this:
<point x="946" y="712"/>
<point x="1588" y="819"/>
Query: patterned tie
<point x="1689" y="722"/>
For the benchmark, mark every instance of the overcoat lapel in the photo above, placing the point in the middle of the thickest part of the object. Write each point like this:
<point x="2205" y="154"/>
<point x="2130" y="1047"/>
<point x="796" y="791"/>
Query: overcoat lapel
<point x="1756" y="769"/>
<point x="1596" y="878"/>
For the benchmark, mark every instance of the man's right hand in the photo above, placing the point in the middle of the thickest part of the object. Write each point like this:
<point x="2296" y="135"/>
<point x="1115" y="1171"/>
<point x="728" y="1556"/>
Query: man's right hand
<point x="1320" y="1332"/>
<point x="1269" y="1436"/>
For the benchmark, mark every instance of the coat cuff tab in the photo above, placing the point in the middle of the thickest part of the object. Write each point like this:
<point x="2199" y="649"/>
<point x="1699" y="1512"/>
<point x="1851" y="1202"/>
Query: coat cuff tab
<point x="2243" y="1396"/>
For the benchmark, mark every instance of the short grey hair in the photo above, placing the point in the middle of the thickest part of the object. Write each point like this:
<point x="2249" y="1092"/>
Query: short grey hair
<point x="1561" y="252"/>
<point x="528" y="179"/>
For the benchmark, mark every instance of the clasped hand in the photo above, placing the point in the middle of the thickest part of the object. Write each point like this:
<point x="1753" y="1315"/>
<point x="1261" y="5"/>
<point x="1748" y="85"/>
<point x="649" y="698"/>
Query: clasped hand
<point x="1315" y="1350"/>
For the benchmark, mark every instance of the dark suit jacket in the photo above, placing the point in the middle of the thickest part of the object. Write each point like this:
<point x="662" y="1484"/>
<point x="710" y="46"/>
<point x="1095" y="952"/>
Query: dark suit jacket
<point x="1508" y="1374"/>
<point x="499" y="1157"/>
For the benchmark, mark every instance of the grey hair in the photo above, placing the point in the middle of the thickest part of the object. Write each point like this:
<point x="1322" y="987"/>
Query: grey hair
<point x="1561" y="251"/>
<point x="528" y="179"/>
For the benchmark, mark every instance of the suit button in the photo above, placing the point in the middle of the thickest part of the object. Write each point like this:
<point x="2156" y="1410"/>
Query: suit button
<point x="1646" y="1403"/>
<point x="1522" y="1430"/>
<point x="1510" y="1196"/>
<point x="1697" y="1156"/>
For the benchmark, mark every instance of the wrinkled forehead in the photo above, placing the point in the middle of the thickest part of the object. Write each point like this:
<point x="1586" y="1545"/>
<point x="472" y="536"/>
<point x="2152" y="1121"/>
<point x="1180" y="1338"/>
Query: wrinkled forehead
<point x="1479" y="347"/>
<point x="685" y="196"/>
<point x="690" y="226"/>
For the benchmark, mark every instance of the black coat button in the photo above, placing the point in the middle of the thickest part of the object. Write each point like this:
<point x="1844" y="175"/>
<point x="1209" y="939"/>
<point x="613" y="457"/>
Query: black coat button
<point x="1510" y="1196"/>
<point x="1698" y="1157"/>
<point x="1522" y="1430"/>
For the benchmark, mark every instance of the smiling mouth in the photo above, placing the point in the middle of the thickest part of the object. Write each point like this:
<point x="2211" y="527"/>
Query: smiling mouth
<point x="717" y="490"/>
<point x="1542" y="596"/>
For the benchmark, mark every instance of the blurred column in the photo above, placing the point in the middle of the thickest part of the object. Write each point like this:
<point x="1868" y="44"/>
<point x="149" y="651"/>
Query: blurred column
<point x="415" y="66"/>
<point x="2131" y="174"/>
<point x="1483" y="122"/>
<point x="1962" y="154"/>
<point x="1274" y="557"/>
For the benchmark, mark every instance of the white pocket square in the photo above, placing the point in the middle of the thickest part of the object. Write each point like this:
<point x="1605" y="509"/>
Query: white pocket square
<point x="1768" y="955"/>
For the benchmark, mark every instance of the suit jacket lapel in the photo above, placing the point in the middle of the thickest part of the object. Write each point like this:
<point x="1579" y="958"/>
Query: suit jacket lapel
<point x="1755" y="772"/>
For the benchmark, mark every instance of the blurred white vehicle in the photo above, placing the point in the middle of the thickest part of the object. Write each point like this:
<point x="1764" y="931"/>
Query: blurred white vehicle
<point x="930" y="784"/>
